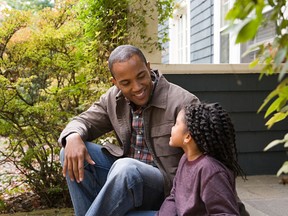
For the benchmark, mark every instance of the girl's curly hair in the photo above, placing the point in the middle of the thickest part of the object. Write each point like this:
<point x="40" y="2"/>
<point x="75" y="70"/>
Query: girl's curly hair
<point x="213" y="131"/>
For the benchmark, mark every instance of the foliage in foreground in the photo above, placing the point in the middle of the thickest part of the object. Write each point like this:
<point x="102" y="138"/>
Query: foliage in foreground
<point x="53" y="65"/>
<point x="247" y="16"/>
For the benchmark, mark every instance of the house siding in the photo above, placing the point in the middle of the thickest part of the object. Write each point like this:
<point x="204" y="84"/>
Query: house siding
<point x="241" y="95"/>
<point x="201" y="31"/>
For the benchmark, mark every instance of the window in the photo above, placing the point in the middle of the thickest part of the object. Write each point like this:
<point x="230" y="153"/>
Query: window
<point x="179" y="35"/>
<point x="224" y="48"/>
<point x="224" y="9"/>
<point x="265" y="34"/>
<point x="224" y="38"/>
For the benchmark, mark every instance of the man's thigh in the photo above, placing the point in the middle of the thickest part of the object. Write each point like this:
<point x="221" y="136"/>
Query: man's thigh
<point x="103" y="162"/>
<point x="152" y="190"/>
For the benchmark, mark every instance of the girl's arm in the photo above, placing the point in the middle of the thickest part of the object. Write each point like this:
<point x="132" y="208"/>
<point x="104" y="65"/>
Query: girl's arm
<point x="219" y="195"/>
<point x="168" y="207"/>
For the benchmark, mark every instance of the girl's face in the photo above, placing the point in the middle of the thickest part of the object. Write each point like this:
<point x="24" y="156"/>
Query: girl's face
<point x="179" y="131"/>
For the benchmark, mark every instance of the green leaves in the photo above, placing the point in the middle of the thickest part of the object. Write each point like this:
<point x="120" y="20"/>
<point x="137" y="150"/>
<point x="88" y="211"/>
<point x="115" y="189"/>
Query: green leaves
<point x="248" y="31"/>
<point x="240" y="10"/>
<point x="40" y="58"/>
<point x="53" y="65"/>
<point x="247" y="16"/>
<point x="278" y="106"/>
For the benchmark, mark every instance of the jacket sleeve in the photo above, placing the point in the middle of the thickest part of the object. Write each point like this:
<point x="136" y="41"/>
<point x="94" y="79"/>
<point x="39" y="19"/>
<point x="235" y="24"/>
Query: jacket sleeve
<point x="90" y="124"/>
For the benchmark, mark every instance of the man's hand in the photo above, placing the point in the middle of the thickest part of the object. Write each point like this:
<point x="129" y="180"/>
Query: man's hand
<point x="75" y="154"/>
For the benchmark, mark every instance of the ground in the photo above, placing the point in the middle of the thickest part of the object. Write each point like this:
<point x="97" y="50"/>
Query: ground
<point x="22" y="200"/>
<point x="46" y="212"/>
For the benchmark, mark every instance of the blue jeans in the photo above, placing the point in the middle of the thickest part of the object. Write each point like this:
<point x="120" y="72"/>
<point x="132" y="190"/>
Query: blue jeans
<point x="115" y="186"/>
<point x="141" y="213"/>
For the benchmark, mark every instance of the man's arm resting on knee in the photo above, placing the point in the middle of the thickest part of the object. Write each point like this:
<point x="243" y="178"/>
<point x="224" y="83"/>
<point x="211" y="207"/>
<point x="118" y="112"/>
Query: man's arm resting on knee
<point x="75" y="154"/>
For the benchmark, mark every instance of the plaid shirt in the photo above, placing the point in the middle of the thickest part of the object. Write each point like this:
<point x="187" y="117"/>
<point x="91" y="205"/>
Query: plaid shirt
<point x="138" y="147"/>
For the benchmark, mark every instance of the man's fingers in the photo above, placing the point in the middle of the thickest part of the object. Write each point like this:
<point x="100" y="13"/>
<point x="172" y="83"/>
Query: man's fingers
<point x="75" y="155"/>
<point x="70" y="169"/>
<point x="89" y="159"/>
<point x="76" y="165"/>
<point x="64" y="168"/>
<point x="80" y="171"/>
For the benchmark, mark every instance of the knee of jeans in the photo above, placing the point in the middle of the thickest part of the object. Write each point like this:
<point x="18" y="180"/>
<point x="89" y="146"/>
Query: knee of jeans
<point x="126" y="168"/>
<point x="62" y="154"/>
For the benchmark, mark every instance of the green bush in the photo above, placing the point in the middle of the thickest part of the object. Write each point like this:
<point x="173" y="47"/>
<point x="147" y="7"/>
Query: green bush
<point x="53" y="65"/>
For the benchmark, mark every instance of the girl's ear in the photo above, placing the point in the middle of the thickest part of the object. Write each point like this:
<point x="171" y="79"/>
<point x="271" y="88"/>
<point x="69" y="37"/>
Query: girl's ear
<point x="187" y="137"/>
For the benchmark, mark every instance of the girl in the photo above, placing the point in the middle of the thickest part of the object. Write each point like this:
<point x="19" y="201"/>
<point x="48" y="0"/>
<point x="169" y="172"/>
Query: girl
<point x="205" y="180"/>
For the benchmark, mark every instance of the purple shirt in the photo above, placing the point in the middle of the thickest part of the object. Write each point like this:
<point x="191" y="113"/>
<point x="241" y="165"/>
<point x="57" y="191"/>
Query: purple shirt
<point x="201" y="187"/>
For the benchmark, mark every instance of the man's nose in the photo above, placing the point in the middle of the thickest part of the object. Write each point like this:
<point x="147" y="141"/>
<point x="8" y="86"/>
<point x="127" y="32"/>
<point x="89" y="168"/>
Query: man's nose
<point x="136" y="86"/>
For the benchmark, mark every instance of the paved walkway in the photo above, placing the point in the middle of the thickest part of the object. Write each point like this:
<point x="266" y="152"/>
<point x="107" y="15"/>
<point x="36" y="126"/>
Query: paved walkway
<point x="263" y="195"/>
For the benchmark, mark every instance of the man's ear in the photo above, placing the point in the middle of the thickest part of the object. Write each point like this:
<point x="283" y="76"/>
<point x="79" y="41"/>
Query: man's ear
<point x="148" y="65"/>
<point x="112" y="79"/>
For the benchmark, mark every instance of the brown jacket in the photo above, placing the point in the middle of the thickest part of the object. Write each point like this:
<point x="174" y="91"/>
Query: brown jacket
<point x="112" y="112"/>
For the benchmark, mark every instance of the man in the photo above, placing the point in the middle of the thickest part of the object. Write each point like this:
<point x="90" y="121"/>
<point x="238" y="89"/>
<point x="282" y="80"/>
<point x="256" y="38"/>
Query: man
<point x="137" y="174"/>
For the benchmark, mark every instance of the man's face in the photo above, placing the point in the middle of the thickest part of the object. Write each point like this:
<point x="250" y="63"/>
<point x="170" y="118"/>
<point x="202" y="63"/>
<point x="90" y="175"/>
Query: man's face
<point x="133" y="79"/>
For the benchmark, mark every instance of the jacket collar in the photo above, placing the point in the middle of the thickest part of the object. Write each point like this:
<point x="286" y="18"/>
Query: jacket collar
<point x="159" y="98"/>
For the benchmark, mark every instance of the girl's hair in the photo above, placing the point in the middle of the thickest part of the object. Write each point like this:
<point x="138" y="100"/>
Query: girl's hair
<point x="214" y="134"/>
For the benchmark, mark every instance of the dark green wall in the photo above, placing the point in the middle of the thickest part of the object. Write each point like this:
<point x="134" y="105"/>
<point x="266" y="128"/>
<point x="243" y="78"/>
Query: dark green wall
<point x="241" y="95"/>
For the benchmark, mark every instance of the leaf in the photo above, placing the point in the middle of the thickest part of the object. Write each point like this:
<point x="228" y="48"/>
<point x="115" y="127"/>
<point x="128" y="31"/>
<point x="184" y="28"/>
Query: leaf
<point x="276" y="118"/>
<point x="280" y="56"/>
<point x="283" y="169"/>
<point x="283" y="71"/>
<point x="271" y="3"/>
<point x="248" y="31"/>
<point x="274" y="143"/>
<point x="254" y="63"/>
<point x="273" y="107"/>
<point x="286" y="141"/>
<point x="284" y="109"/>
<point x="267" y="99"/>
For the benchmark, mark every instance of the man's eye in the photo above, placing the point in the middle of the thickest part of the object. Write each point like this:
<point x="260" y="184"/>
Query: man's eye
<point x="125" y="84"/>
<point x="141" y="76"/>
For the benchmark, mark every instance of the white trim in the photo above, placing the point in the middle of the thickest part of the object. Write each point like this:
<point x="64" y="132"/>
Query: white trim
<point x="180" y="14"/>
<point x="207" y="68"/>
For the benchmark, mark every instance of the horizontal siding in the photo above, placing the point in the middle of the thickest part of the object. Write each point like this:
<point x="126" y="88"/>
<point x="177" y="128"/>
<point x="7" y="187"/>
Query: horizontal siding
<point x="241" y="95"/>
<point x="204" y="52"/>
<point x="203" y="60"/>
<point x="200" y="35"/>
<point x="204" y="24"/>
<point x="255" y="142"/>
<point x="224" y="82"/>
<point x="251" y="121"/>
<point x="198" y="45"/>
<point x="199" y="5"/>
<point x="201" y="31"/>
<point x="266" y="163"/>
